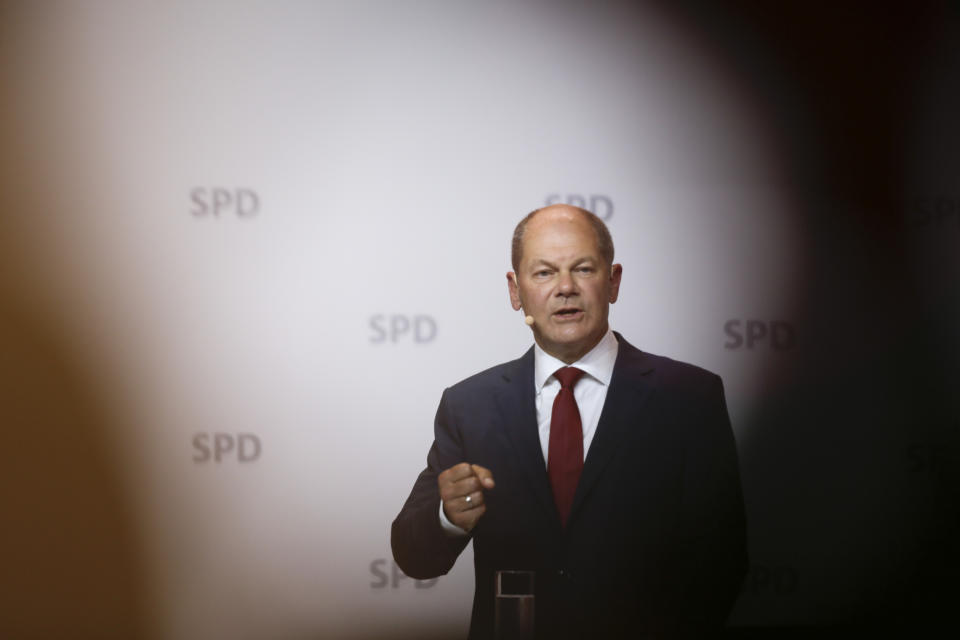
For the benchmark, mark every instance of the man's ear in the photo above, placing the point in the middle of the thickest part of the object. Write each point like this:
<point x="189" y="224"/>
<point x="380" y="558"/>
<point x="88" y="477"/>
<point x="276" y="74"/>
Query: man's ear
<point x="616" y="271"/>
<point x="514" y="290"/>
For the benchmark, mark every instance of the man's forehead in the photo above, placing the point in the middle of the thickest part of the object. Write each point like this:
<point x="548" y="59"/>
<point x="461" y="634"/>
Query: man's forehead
<point x="554" y="251"/>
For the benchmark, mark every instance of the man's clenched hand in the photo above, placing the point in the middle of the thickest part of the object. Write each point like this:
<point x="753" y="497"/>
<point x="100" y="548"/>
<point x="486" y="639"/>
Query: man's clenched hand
<point x="461" y="489"/>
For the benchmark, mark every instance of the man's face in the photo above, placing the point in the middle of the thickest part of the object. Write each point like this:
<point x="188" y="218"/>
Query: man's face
<point x="564" y="283"/>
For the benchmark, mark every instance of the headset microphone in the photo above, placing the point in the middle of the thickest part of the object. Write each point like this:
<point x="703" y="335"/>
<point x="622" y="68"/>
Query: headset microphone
<point x="529" y="321"/>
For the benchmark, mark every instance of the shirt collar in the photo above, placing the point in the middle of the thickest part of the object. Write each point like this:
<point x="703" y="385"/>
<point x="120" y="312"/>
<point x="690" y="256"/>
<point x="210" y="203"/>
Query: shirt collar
<point x="597" y="363"/>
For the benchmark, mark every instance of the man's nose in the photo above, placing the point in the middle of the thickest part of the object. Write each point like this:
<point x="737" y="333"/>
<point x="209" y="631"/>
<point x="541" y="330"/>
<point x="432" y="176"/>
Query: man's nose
<point x="566" y="286"/>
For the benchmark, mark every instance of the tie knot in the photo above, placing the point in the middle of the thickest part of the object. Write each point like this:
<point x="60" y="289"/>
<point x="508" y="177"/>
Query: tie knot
<point x="567" y="376"/>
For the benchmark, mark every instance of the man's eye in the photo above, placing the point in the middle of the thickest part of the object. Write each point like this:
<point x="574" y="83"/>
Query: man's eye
<point x="585" y="269"/>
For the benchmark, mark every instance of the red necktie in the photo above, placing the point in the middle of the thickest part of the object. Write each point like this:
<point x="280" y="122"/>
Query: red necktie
<point x="565" y="455"/>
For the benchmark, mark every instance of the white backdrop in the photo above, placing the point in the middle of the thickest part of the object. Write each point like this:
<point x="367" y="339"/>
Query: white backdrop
<point x="368" y="162"/>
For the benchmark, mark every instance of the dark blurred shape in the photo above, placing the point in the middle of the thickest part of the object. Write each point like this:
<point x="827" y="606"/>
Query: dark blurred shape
<point x="69" y="547"/>
<point x="851" y="466"/>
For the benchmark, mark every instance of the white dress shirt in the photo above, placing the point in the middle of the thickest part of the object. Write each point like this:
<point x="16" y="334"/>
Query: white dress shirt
<point x="590" y="392"/>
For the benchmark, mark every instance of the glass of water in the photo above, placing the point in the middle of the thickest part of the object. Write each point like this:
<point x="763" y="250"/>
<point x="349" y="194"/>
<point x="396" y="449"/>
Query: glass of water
<point x="513" y="606"/>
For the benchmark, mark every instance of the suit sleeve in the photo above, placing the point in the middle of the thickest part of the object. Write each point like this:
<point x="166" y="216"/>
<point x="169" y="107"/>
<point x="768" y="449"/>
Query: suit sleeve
<point x="712" y="547"/>
<point x="420" y="546"/>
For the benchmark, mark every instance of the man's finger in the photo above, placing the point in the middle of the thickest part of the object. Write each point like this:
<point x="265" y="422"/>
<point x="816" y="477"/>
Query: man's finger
<point x="476" y="499"/>
<point x="456" y="498"/>
<point x="471" y="501"/>
<point x="460" y="488"/>
<point x="484" y="474"/>
<point x="456" y="472"/>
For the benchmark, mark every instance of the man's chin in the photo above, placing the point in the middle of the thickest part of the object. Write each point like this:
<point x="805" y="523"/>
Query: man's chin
<point x="566" y="348"/>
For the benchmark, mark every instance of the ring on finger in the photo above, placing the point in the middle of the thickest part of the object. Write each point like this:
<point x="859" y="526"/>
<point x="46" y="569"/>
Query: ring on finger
<point x="468" y="499"/>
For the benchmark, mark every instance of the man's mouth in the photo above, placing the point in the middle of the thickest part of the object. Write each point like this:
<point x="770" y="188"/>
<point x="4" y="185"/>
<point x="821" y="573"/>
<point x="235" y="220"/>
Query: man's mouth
<point x="568" y="313"/>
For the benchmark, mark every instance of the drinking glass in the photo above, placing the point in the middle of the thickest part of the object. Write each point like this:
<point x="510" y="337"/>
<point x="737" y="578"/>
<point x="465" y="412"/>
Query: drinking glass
<point x="513" y="606"/>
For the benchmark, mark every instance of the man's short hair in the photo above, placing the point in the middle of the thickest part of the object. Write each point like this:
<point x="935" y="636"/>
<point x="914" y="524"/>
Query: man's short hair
<point x="604" y="240"/>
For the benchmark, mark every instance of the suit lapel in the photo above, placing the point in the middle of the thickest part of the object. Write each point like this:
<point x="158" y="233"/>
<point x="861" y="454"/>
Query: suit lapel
<point x="515" y="402"/>
<point x="630" y="387"/>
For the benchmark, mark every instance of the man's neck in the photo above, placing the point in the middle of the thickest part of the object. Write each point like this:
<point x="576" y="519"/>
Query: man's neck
<point x="571" y="357"/>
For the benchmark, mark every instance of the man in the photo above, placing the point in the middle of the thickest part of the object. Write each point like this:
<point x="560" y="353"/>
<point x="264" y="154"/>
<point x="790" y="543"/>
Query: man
<point x="609" y="472"/>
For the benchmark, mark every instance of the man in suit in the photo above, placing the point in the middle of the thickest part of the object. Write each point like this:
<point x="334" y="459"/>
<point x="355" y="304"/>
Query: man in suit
<point x="609" y="472"/>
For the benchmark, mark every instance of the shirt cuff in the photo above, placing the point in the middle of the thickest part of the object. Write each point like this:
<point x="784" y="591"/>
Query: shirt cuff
<point x="452" y="530"/>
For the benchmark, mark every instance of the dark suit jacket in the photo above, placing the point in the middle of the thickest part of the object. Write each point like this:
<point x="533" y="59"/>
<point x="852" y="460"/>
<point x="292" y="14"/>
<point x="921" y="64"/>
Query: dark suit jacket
<point x="655" y="545"/>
